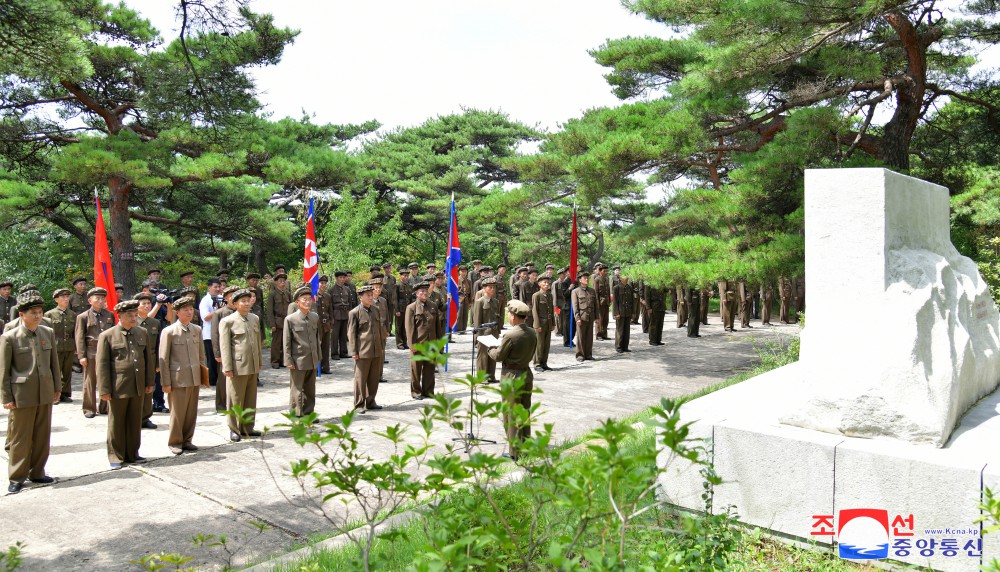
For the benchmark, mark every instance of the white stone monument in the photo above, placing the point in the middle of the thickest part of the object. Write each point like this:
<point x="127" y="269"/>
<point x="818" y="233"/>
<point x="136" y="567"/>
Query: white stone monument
<point x="901" y="333"/>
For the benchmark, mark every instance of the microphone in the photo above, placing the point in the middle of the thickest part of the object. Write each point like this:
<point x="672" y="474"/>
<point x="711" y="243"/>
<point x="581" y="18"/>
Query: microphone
<point x="485" y="327"/>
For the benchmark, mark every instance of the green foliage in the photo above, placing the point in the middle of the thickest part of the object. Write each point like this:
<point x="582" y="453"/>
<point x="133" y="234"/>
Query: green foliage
<point x="975" y="223"/>
<point x="11" y="558"/>
<point x="356" y="234"/>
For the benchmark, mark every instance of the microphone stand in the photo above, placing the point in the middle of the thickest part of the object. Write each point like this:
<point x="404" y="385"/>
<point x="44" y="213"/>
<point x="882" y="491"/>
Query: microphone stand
<point x="471" y="437"/>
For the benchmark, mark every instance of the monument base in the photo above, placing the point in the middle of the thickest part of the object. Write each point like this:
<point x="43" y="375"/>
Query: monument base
<point x="796" y="481"/>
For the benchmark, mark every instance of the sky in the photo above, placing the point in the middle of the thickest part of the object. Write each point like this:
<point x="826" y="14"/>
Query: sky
<point x="403" y="62"/>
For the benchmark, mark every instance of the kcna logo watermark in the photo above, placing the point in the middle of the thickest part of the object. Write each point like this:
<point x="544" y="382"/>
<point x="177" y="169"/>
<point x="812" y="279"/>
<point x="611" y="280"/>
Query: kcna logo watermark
<point x="863" y="534"/>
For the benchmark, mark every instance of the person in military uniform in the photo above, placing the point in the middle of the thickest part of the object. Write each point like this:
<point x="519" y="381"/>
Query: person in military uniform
<point x="181" y="357"/>
<point x="706" y="295"/>
<point x="485" y="311"/>
<point x="29" y="385"/>
<point x="727" y="304"/>
<point x="622" y="302"/>
<point x="340" y="298"/>
<point x="543" y="319"/>
<point x="559" y="298"/>
<point x="78" y="298"/>
<point x="324" y="308"/>
<point x="464" y="298"/>
<point x="515" y="352"/>
<point x="564" y="305"/>
<point x="584" y="313"/>
<point x="126" y="368"/>
<point x="422" y="324"/>
<point x="382" y="307"/>
<point x="745" y="300"/>
<point x="389" y="291"/>
<point x="17" y="320"/>
<point x="602" y="288"/>
<point x="404" y="291"/>
<point x="302" y="353"/>
<point x="90" y="324"/>
<point x="8" y="304"/>
<point x="415" y="276"/>
<point x="656" y="300"/>
<point x="221" y="400"/>
<point x="682" y="306"/>
<point x="693" y="301"/>
<point x="351" y="289"/>
<point x="151" y="401"/>
<point x="503" y="292"/>
<point x="477" y="285"/>
<point x="365" y="341"/>
<point x="799" y="297"/>
<point x="277" y="305"/>
<point x="766" y="300"/>
<point x="257" y="309"/>
<point x="474" y="273"/>
<point x="62" y="320"/>
<point x="517" y="280"/>
<point x="242" y="360"/>
<point x="439" y="297"/>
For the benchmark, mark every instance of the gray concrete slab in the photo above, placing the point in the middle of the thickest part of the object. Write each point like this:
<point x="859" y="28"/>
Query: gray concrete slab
<point x="94" y="517"/>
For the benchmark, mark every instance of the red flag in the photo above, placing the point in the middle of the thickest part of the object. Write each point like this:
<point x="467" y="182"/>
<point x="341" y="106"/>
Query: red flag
<point x="310" y="259"/>
<point x="104" y="276"/>
<point x="451" y="268"/>
<point x="574" y="253"/>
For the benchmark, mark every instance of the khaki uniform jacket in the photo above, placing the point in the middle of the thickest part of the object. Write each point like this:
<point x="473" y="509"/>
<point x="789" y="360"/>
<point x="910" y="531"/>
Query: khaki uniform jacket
<point x="258" y="305"/>
<point x="559" y="290"/>
<point x="89" y="326"/>
<point x="654" y="298"/>
<point x="516" y="348"/>
<point x="404" y="295"/>
<point x="487" y="310"/>
<point x="240" y="343"/>
<point x="603" y="289"/>
<point x="277" y="307"/>
<point x="301" y="341"/>
<point x="17" y="322"/>
<point x="389" y="286"/>
<point x="365" y="332"/>
<point x="63" y="325"/>
<point x="8" y="307"/>
<point x="584" y="304"/>
<point x="152" y="326"/>
<point x="181" y="356"/>
<point x="78" y="303"/>
<point x="126" y="365"/>
<point x="422" y="322"/>
<point x="324" y="307"/>
<point x="543" y="313"/>
<point x="464" y="291"/>
<point x="340" y="299"/>
<point x="29" y="367"/>
<point x="502" y="294"/>
<point x="382" y="305"/>
<point x="216" y="333"/>
<point x="623" y="300"/>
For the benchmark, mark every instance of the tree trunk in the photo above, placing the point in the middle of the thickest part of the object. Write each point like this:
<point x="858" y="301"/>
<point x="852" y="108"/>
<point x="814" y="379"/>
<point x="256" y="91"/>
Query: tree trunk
<point x="895" y="147"/>
<point x="504" y="253"/>
<point x="259" y="256"/>
<point x="223" y="260"/>
<point x="122" y="253"/>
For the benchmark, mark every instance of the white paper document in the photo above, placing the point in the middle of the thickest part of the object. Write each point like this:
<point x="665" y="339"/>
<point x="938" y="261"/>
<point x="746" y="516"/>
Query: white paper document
<point x="489" y="340"/>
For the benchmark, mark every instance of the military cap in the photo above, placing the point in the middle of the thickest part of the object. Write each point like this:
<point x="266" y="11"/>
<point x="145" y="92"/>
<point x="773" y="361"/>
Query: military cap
<point x="241" y="293"/>
<point x="148" y="283"/>
<point x="281" y="276"/>
<point x="563" y="269"/>
<point x="281" y="266"/>
<point x="28" y="300"/>
<point x="486" y="268"/>
<point x="253" y="275"/>
<point x="598" y="265"/>
<point x="582" y="274"/>
<point x="322" y="278"/>
<point x="187" y="273"/>
<point x="424" y="285"/>
<point x="349" y="273"/>
<point x="302" y="291"/>
<point x="143" y="296"/>
<point x="477" y="261"/>
<point x="490" y="281"/>
<point x="386" y="265"/>
<point x="374" y="268"/>
<point x="428" y="278"/>
<point x="366" y="288"/>
<point x="127" y="306"/>
<point x="97" y="291"/>
<point x="462" y="267"/>
<point x="183" y="302"/>
<point x="222" y="271"/>
<point x="339" y="273"/>
<point x="521" y="269"/>
<point x="549" y="265"/>
<point x="6" y="283"/>
<point x="120" y="286"/>
<point x="404" y="270"/>
<point x="439" y="274"/>
<point x="27" y="288"/>
<point x="187" y="290"/>
<point x="60" y="292"/>
<point x="229" y="290"/>
<point x="501" y="265"/>
<point x="616" y="267"/>
<point x="413" y="265"/>
<point x="78" y="279"/>
<point x="152" y="270"/>
<point x="544" y="276"/>
<point x="375" y="280"/>
<point x="532" y="270"/>
<point x="518" y="308"/>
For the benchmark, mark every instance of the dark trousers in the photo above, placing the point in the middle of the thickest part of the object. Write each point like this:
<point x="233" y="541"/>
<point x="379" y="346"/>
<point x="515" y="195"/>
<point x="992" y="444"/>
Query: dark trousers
<point x="463" y="318"/>
<point x="324" y="350"/>
<point x="149" y="400"/>
<point x="338" y="339"/>
<point x="302" y="391"/>
<point x="277" y="341"/>
<point x="603" y="312"/>
<point x="422" y="378"/>
<point x="124" y="428"/>
<point x="366" y="374"/>
<point x="241" y="390"/>
<point x="91" y="401"/>
<point x="564" y="318"/>
<point x="66" y="371"/>
<point x="622" y="327"/>
<point x="517" y="432"/>
<point x="585" y="339"/>
<point x="655" y="326"/>
<point x="213" y="375"/>
<point x="401" y="330"/>
<point x="485" y="364"/>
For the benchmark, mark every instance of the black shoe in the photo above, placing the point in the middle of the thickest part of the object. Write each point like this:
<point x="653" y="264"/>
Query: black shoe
<point x="619" y="351"/>
<point x="539" y="369"/>
<point x="419" y="397"/>
<point x="90" y="415"/>
<point x="14" y="487"/>
<point x="695" y="336"/>
<point x="77" y="369"/>
<point x="628" y="351"/>
<point x="275" y="366"/>
<point x="65" y="399"/>
<point x="147" y="424"/>
<point x="335" y="357"/>
<point x="254" y="433"/>
<point x="260" y="383"/>
<point x="44" y="480"/>
<point x="139" y="459"/>
<point x="234" y="436"/>
<point x="382" y="381"/>
<point x="345" y="356"/>
<point x="376" y="407"/>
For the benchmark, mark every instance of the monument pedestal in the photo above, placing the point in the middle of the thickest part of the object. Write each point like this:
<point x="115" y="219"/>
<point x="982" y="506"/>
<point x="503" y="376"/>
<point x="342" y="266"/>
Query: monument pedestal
<point x="785" y="479"/>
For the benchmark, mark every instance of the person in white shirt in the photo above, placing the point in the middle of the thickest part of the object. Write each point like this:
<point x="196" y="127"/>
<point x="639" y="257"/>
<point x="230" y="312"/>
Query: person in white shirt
<point x="207" y="310"/>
